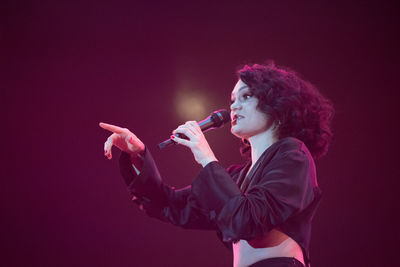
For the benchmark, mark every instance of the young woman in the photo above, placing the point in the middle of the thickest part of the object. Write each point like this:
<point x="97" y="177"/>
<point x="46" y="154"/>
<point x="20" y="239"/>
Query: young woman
<point x="264" y="208"/>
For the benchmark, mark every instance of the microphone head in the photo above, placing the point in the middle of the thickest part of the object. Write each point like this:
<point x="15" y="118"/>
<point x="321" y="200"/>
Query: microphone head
<point x="220" y="117"/>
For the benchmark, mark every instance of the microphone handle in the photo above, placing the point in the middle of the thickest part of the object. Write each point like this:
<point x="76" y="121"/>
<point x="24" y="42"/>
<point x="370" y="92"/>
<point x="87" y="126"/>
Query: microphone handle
<point x="166" y="143"/>
<point x="170" y="141"/>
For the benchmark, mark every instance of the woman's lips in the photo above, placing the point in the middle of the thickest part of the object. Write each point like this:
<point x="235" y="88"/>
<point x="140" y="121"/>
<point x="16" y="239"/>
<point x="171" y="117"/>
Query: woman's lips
<point x="235" y="119"/>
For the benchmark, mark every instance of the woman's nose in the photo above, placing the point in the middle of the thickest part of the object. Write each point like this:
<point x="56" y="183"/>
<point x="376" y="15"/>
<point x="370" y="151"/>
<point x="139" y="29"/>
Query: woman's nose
<point x="235" y="105"/>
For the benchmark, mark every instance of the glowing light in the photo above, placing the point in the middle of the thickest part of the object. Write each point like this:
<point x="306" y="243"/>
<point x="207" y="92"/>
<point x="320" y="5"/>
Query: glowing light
<point x="190" y="105"/>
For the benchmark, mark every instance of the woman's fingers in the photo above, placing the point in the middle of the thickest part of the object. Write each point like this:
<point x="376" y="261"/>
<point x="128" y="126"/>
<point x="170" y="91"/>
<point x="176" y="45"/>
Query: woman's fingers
<point x="107" y="150"/>
<point x="111" y="128"/>
<point x="194" y="126"/>
<point x="188" y="129"/>
<point x="181" y="141"/>
<point x="187" y="132"/>
<point x="105" y="147"/>
<point x="108" y="146"/>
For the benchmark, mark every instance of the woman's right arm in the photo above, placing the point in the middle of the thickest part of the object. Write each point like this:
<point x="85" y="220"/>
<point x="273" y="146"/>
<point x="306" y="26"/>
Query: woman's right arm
<point x="160" y="200"/>
<point x="145" y="184"/>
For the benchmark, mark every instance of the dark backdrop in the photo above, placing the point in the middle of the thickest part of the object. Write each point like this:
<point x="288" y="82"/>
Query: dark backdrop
<point x="67" y="65"/>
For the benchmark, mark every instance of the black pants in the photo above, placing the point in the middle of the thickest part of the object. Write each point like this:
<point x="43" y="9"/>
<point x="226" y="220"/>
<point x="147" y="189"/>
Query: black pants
<point x="278" y="262"/>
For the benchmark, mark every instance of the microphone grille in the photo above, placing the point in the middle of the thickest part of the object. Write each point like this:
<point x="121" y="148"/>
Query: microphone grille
<point x="220" y="117"/>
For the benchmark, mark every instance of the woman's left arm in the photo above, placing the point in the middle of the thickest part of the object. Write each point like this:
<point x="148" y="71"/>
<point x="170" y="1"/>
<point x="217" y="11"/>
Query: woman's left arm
<point x="284" y="189"/>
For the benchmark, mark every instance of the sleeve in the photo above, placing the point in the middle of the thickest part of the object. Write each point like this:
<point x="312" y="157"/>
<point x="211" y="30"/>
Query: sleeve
<point x="159" y="200"/>
<point x="282" y="189"/>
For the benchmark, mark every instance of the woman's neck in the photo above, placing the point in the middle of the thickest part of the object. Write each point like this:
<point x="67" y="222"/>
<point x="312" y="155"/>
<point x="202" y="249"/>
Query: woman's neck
<point x="260" y="142"/>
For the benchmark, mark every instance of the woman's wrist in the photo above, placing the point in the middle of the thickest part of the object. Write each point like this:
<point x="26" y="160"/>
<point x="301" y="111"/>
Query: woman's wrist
<point x="207" y="161"/>
<point x="137" y="159"/>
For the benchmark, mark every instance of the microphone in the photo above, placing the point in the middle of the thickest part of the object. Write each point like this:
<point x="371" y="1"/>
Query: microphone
<point x="215" y="120"/>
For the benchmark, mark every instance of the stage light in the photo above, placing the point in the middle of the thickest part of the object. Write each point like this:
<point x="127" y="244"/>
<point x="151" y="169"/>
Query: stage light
<point x="190" y="105"/>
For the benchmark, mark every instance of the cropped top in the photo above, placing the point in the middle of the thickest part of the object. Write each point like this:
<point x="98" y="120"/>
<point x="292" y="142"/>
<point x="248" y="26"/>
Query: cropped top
<point x="280" y="192"/>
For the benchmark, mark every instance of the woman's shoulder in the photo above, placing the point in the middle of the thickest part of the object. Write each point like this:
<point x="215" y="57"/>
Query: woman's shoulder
<point x="290" y="142"/>
<point x="292" y="146"/>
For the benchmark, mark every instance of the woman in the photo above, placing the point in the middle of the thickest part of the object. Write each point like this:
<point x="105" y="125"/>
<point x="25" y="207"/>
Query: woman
<point x="264" y="208"/>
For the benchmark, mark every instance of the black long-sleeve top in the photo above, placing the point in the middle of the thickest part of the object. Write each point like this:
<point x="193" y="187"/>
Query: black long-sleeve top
<point x="281" y="191"/>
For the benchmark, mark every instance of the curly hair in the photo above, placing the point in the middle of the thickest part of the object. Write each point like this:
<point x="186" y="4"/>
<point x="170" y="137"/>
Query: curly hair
<point x="296" y="106"/>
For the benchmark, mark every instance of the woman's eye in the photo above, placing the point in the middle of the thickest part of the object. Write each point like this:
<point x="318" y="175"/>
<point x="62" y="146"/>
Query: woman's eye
<point x="247" y="96"/>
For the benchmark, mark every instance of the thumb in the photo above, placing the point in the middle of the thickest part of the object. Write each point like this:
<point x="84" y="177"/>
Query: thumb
<point x="130" y="140"/>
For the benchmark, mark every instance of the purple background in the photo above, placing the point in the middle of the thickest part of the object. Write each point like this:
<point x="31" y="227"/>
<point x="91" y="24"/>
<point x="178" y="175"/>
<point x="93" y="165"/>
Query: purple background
<point x="67" y="65"/>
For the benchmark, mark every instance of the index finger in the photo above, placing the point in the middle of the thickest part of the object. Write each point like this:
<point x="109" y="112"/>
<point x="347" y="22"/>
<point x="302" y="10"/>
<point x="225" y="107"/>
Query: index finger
<point x="111" y="128"/>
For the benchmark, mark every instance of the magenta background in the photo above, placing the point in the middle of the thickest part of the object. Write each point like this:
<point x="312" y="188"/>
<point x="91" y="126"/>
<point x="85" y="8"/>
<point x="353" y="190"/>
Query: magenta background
<point x="66" y="65"/>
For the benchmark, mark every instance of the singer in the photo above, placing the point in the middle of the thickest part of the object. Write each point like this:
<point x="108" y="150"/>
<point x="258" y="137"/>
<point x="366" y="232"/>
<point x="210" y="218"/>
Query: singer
<point x="263" y="209"/>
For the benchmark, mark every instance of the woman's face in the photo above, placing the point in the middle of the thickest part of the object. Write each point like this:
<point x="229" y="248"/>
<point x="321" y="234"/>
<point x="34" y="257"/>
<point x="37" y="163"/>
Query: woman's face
<point x="247" y="120"/>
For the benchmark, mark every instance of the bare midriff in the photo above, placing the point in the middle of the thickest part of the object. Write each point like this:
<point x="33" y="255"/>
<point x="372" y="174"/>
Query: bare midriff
<point x="273" y="244"/>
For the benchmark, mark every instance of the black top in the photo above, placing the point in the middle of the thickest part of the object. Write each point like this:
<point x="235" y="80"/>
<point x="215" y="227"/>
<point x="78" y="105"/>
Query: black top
<point x="281" y="191"/>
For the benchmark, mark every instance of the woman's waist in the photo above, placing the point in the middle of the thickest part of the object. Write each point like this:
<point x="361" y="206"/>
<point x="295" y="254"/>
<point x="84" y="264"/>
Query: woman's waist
<point x="273" y="244"/>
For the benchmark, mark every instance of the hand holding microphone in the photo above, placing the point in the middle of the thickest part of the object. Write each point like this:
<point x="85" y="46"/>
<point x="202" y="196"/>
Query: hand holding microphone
<point x="191" y="135"/>
<point x="215" y="120"/>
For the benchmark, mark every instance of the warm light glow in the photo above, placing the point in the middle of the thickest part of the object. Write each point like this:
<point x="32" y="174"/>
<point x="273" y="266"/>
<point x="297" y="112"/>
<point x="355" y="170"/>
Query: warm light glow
<point x="190" y="105"/>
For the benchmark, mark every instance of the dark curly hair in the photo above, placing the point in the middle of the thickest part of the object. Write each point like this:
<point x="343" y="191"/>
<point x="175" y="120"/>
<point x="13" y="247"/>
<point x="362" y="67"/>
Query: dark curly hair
<point x="298" y="109"/>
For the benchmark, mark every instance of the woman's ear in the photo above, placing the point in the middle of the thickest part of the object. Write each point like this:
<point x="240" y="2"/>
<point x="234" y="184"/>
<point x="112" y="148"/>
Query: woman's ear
<point x="277" y="125"/>
<point x="276" y="128"/>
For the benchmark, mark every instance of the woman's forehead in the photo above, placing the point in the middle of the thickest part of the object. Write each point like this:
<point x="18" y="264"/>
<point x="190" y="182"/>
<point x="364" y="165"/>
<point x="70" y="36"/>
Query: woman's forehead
<point x="239" y="87"/>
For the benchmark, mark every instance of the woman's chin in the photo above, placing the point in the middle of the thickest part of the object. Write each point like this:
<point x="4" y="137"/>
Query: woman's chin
<point x="236" y="132"/>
